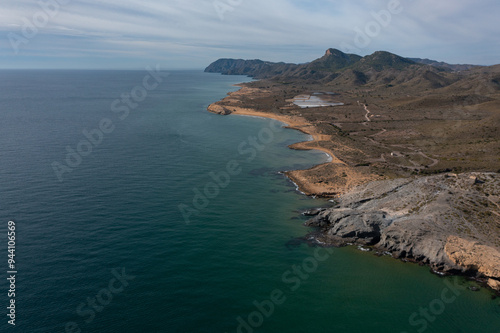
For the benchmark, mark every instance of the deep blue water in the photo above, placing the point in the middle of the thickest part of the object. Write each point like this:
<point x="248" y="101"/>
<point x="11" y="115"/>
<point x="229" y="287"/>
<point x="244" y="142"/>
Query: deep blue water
<point x="191" y="208"/>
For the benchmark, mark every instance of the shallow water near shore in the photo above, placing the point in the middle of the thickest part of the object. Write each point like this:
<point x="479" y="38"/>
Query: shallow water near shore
<point x="231" y="266"/>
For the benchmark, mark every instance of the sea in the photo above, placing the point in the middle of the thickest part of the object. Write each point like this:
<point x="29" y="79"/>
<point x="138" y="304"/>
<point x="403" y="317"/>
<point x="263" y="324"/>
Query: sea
<point x="133" y="209"/>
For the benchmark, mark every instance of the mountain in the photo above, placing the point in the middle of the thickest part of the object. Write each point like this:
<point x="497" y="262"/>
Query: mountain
<point x="380" y="69"/>
<point x="444" y="65"/>
<point x="254" y="68"/>
<point x="381" y="60"/>
<point x="333" y="60"/>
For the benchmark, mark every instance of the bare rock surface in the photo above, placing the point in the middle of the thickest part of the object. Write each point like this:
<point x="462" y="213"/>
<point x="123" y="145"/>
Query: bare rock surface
<point x="450" y="222"/>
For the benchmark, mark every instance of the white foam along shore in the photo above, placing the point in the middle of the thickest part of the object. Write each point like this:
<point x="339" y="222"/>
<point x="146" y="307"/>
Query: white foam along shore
<point x="285" y="125"/>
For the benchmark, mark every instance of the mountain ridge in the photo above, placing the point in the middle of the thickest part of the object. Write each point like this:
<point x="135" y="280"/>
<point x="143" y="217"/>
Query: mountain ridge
<point x="335" y="67"/>
<point x="333" y="60"/>
<point x="444" y="65"/>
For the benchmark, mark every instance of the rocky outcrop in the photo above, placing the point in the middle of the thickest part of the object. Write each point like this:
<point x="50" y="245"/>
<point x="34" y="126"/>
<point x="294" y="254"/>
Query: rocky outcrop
<point x="474" y="256"/>
<point x="218" y="109"/>
<point x="449" y="222"/>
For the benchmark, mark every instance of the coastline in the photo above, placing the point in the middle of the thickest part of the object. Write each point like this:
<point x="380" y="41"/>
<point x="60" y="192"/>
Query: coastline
<point x="292" y="122"/>
<point x="309" y="181"/>
<point x="453" y="250"/>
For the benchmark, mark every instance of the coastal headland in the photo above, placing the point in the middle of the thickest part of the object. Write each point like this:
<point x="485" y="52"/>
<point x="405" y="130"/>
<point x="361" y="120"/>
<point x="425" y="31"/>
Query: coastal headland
<point x="414" y="152"/>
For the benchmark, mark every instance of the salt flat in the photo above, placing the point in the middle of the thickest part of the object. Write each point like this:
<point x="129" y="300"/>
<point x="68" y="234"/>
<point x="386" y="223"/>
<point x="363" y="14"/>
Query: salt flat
<point x="313" y="101"/>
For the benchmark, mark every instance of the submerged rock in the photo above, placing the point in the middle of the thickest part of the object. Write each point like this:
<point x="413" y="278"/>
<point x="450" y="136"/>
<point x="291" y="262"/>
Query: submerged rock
<point x="313" y="212"/>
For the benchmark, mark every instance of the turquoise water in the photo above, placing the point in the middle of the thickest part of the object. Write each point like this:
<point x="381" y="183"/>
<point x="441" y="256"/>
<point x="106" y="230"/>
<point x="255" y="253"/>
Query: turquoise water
<point x="190" y="211"/>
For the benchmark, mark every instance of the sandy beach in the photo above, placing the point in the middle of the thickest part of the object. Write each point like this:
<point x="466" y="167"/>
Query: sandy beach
<point x="325" y="180"/>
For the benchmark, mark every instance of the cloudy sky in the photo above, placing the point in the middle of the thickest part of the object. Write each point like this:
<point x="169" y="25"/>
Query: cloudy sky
<point x="133" y="34"/>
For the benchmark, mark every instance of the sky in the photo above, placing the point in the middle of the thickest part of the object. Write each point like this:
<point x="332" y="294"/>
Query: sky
<point x="184" y="34"/>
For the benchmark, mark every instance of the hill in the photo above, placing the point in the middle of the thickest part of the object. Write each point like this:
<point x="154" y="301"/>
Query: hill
<point x="381" y="60"/>
<point x="333" y="60"/>
<point x="325" y="69"/>
<point x="444" y="65"/>
<point x="254" y="68"/>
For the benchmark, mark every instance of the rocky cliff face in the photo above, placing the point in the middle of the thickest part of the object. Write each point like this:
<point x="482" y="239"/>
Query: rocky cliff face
<point x="476" y="257"/>
<point x="450" y="222"/>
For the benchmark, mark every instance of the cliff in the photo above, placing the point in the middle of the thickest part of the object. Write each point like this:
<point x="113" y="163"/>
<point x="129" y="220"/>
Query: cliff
<point x="449" y="222"/>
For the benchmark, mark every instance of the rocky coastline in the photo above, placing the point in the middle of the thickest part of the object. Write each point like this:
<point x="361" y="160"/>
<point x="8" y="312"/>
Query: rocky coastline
<point x="449" y="222"/>
<point x="413" y="169"/>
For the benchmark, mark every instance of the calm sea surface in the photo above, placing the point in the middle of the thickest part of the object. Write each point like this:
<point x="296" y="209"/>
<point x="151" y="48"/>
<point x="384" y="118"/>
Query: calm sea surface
<point x="136" y="210"/>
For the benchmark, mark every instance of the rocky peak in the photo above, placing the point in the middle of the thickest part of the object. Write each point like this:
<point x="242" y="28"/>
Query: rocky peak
<point x="335" y="53"/>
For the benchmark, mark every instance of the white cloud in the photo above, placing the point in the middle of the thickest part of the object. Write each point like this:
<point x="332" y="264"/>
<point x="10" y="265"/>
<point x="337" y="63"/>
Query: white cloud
<point x="291" y="30"/>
